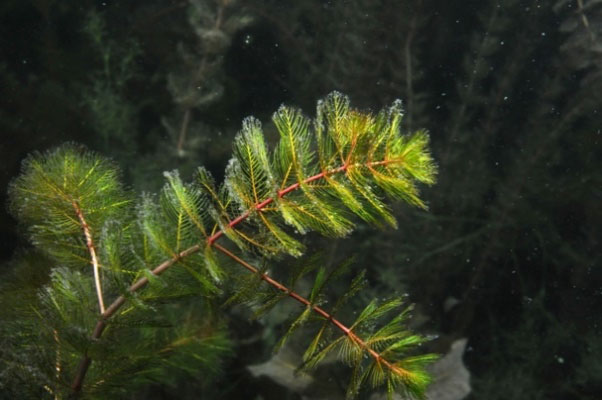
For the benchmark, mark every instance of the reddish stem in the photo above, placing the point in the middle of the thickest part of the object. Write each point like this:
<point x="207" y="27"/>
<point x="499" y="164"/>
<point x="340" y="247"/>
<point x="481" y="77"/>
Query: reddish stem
<point x="92" y="251"/>
<point x="112" y="309"/>
<point x="318" y="310"/>
<point x="270" y="200"/>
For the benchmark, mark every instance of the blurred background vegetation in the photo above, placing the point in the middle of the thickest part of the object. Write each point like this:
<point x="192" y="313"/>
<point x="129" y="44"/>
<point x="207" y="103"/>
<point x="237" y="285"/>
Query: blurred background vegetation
<point x="508" y="255"/>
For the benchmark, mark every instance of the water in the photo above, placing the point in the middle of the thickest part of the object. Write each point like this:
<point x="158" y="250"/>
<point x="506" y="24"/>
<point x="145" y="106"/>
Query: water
<point x="509" y="92"/>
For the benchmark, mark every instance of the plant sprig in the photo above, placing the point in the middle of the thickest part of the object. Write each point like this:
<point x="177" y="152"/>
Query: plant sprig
<point x="321" y="173"/>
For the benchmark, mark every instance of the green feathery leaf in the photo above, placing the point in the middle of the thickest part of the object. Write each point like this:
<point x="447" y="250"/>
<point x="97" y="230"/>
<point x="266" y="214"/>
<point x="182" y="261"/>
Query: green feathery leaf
<point x="61" y="190"/>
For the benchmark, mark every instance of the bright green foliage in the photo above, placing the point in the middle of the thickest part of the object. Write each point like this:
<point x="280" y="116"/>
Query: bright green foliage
<point x="396" y="369"/>
<point x="53" y="186"/>
<point x="53" y="329"/>
<point x="392" y="341"/>
<point x="358" y="157"/>
<point x="320" y="174"/>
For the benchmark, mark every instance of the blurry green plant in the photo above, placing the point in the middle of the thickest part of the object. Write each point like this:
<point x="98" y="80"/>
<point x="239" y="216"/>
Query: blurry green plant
<point x="108" y="245"/>
<point x="196" y="82"/>
<point x="112" y="114"/>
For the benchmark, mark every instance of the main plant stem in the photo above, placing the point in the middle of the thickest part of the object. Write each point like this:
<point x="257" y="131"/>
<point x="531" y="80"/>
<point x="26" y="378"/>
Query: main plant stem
<point x="112" y="309"/>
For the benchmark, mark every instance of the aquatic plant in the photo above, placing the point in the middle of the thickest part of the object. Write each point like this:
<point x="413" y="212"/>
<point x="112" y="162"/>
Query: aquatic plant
<point x="148" y="254"/>
<point x="197" y="81"/>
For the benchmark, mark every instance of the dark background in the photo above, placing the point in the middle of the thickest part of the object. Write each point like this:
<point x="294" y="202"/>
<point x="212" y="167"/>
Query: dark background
<point x="508" y="254"/>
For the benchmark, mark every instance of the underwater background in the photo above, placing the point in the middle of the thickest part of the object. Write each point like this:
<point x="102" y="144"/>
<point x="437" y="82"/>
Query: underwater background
<point x="504" y="267"/>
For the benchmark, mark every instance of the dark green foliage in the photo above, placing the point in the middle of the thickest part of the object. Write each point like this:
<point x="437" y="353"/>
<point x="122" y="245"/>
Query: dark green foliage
<point x="112" y="114"/>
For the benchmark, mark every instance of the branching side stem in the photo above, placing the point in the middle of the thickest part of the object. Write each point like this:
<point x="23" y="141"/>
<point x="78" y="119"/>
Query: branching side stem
<point x="112" y="309"/>
<point x="318" y="310"/>
<point x="93" y="257"/>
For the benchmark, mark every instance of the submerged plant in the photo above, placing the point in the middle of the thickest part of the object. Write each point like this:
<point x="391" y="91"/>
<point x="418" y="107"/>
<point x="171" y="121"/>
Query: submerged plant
<point x="116" y="312"/>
